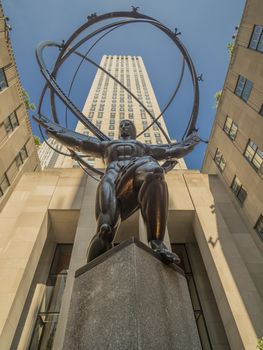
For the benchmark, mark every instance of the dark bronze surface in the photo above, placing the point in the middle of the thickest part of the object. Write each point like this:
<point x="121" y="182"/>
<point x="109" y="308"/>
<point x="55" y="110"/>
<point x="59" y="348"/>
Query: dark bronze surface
<point x="133" y="180"/>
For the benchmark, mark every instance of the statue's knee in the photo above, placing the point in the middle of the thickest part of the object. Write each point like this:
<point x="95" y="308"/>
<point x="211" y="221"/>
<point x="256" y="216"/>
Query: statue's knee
<point x="156" y="173"/>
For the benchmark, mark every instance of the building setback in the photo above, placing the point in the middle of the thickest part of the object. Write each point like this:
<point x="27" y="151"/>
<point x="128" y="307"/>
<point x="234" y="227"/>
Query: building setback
<point x="235" y="150"/>
<point x="17" y="148"/>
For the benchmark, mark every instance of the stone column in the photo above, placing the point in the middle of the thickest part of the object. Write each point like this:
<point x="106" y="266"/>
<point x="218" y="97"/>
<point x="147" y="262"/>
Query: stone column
<point x="128" y="299"/>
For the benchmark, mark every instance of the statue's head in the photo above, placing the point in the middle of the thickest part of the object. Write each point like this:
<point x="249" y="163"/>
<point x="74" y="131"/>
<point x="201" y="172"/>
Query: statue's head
<point x="127" y="129"/>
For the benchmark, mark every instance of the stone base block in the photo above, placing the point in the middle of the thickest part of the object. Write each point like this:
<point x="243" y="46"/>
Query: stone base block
<point x="127" y="299"/>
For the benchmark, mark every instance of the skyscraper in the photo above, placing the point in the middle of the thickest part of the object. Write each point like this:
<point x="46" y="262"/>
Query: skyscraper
<point x="17" y="148"/>
<point x="47" y="156"/>
<point x="108" y="103"/>
<point x="235" y="150"/>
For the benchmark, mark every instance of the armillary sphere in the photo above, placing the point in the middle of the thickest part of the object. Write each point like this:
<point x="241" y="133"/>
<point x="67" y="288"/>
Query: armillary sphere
<point x="72" y="46"/>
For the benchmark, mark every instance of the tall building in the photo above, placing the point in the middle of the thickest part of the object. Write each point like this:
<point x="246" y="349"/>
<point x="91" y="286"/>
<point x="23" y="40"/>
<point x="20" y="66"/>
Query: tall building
<point x="17" y="148"/>
<point x="235" y="150"/>
<point x="108" y="103"/>
<point x="48" y="223"/>
<point x="47" y="156"/>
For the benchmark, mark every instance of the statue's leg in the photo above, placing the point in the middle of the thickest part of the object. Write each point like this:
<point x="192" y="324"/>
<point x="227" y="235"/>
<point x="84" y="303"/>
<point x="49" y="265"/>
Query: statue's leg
<point x="153" y="200"/>
<point x="107" y="215"/>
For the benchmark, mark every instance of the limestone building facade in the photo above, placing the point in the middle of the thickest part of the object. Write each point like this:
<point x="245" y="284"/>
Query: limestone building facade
<point x="48" y="222"/>
<point x="17" y="148"/>
<point x="235" y="150"/>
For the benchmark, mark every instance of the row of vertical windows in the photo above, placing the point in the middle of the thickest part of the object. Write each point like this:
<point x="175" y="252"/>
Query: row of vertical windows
<point x="259" y="226"/>
<point x="220" y="160"/>
<point x="4" y="184"/>
<point x="230" y="128"/>
<point x="243" y="88"/>
<point x="254" y="155"/>
<point x="3" y="81"/>
<point x="48" y="313"/>
<point x="10" y="123"/>
<point x="19" y="160"/>
<point x="238" y="190"/>
<point x="256" y="41"/>
<point x="21" y="157"/>
<point x="122" y="57"/>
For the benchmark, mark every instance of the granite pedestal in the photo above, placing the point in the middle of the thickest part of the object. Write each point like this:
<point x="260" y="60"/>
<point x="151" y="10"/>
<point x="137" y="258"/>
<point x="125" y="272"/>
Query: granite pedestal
<point x="127" y="299"/>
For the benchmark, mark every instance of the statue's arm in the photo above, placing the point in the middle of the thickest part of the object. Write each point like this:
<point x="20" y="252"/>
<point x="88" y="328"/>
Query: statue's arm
<point x="174" y="150"/>
<point x="71" y="139"/>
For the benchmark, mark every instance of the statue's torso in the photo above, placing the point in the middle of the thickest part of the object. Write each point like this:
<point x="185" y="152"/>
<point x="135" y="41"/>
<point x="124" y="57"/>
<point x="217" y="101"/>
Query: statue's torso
<point x="123" y="151"/>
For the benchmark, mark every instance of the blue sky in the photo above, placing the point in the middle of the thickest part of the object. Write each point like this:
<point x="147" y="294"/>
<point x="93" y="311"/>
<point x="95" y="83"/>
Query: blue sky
<point x="206" y="25"/>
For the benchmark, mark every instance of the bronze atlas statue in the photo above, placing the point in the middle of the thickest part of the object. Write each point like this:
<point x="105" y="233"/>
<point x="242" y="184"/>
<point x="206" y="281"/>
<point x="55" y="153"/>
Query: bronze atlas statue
<point x="133" y="178"/>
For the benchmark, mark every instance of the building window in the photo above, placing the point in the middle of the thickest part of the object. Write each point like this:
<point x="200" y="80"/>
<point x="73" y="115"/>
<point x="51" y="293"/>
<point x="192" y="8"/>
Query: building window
<point x="239" y="190"/>
<point x="4" y="184"/>
<point x="243" y="88"/>
<point x="112" y="127"/>
<point x="18" y="160"/>
<point x="11" y="122"/>
<point x="219" y="160"/>
<point x="148" y="141"/>
<point x="259" y="226"/>
<point x="111" y="133"/>
<point x="21" y="157"/>
<point x="112" y="121"/>
<point x="155" y="127"/>
<point x="253" y="155"/>
<point x="256" y="41"/>
<point x="100" y="114"/>
<point x="230" y="128"/>
<point x="3" y="82"/>
<point x="147" y="134"/>
<point x="91" y="114"/>
<point x="186" y="264"/>
<point x="47" y="319"/>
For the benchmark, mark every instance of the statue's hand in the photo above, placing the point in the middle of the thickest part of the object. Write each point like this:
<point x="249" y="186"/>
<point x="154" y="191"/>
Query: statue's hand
<point x="192" y="140"/>
<point x="65" y="136"/>
<point x="51" y="128"/>
<point x="181" y="149"/>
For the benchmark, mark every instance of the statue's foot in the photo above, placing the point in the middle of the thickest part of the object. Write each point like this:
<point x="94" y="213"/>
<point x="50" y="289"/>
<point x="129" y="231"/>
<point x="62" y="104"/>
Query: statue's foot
<point x="167" y="256"/>
<point x="104" y="231"/>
